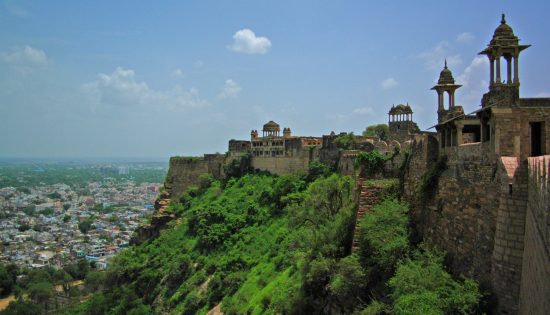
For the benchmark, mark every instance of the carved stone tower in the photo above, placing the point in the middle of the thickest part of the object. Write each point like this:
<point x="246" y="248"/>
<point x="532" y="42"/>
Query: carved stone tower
<point x="445" y="84"/>
<point x="504" y="44"/>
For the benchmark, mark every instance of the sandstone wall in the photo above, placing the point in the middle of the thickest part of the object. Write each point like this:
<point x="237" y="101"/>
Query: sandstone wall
<point x="535" y="277"/>
<point x="461" y="217"/>
<point x="184" y="172"/>
<point x="509" y="241"/>
<point x="422" y="154"/>
<point x="491" y="214"/>
<point x="281" y="165"/>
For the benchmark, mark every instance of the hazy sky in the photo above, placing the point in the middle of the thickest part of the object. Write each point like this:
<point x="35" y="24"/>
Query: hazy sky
<point x="161" y="78"/>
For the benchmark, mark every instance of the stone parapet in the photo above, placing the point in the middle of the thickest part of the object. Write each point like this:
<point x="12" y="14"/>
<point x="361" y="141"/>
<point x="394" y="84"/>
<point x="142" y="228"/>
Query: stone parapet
<point x="535" y="276"/>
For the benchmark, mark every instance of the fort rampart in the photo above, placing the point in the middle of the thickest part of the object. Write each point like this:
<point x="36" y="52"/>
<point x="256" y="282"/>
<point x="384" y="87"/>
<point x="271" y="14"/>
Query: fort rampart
<point x="535" y="287"/>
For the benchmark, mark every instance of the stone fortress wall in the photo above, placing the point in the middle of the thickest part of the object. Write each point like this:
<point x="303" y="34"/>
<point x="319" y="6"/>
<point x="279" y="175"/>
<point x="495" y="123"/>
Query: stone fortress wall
<point x="184" y="172"/>
<point x="491" y="207"/>
<point x="535" y="275"/>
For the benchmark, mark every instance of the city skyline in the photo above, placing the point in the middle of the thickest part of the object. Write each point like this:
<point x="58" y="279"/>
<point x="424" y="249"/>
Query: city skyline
<point x="125" y="79"/>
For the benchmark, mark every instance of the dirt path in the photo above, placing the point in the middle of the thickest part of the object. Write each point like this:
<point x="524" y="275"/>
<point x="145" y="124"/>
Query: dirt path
<point x="6" y="301"/>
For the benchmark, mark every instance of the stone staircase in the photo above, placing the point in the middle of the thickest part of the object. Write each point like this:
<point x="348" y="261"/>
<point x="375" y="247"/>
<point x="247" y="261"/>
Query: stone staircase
<point x="368" y="198"/>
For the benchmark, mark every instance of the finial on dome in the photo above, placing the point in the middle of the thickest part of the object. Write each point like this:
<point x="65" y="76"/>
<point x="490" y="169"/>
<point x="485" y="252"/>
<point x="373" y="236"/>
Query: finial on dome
<point x="445" y="63"/>
<point x="503" y="20"/>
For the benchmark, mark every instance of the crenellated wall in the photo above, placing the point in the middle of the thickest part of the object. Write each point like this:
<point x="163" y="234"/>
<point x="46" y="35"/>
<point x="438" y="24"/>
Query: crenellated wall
<point x="535" y="276"/>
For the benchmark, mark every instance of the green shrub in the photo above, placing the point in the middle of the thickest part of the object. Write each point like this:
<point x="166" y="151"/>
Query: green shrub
<point x="370" y="163"/>
<point x="317" y="169"/>
<point x="384" y="235"/>
<point x="346" y="141"/>
<point x="422" y="286"/>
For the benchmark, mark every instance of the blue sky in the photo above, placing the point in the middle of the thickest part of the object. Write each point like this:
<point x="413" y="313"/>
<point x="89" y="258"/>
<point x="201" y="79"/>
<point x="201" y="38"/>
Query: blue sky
<point x="162" y="78"/>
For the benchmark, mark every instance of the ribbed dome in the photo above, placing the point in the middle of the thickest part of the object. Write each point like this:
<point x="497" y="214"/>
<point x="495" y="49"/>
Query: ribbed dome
<point x="400" y="109"/>
<point x="446" y="76"/>
<point x="504" y="31"/>
<point x="271" y="126"/>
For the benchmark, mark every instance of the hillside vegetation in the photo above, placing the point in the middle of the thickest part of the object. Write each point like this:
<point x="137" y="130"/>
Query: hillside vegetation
<point x="261" y="244"/>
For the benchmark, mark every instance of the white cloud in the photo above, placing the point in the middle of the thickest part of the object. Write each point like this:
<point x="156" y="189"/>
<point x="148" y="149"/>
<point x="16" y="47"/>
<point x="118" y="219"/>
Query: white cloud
<point x="363" y="111"/>
<point x="122" y="89"/>
<point x="25" y="56"/>
<point x="434" y="57"/>
<point x="245" y="41"/>
<point x="231" y="89"/>
<point x="474" y="82"/>
<point x="177" y="73"/>
<point x="543" y="94"/>
<point x="465" y="38"/>
<point x="388" y="83"/>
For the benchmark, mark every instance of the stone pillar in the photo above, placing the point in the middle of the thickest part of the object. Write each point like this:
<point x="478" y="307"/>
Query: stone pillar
<point x="508" y="70"/>
<point x="498" y="79"/>
<point x="459" y="128"/>
<point x="450" y="99"/>
<point x="516" y="65"/>
<point x="492" y="72"/>
<point x="440" y="105"/>
<point x="481" y="130"/>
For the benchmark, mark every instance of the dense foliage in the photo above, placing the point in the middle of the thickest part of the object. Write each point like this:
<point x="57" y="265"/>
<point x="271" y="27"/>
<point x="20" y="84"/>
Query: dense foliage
<point x="422" y="286"/>
<point x="279" y="245"/>
<point x="37" y="291"/>
<point x="346" y="141"/>
<point x="370" y="163"/>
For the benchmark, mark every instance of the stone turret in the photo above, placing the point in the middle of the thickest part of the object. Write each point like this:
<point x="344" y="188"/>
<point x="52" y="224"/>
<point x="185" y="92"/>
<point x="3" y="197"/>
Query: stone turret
<point x="286" y="133"/>
<point x="445" y="84"/>
<point x="504" y="44"/>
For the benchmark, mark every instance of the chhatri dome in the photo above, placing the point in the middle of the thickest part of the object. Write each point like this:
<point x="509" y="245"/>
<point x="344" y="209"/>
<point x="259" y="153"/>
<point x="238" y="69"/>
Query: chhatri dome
<point x="504" y="31"/>
<point x="271" y="126"/>
<point x="446" y="76"/>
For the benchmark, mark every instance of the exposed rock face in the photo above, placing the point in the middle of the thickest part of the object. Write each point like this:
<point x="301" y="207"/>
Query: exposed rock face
<point x="158" y="222"/>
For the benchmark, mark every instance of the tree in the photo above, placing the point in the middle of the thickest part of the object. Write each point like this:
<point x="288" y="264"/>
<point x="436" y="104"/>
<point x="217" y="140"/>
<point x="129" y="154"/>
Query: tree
<point x="94" y="280"/>
<point x="8" y="276"/>
<point x="54" y="195"/>
<point x="41" y="292"/>
<point x="29" y="210"/>
<point x="421" y="286"/>
<point x="22" y="307"/>
<point x="317" y="169"/>
<point x="23" y="227"/>
<point x="47" y="212"/>
<point x="85" y="226"/>
<point x="381" y="131"/>
<point x="346" y="141"/>
<point x="79" y="269"/>
<point x="348" y="282"/>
